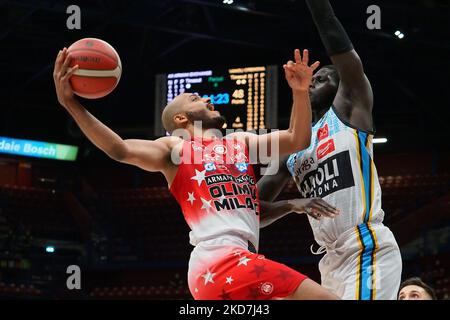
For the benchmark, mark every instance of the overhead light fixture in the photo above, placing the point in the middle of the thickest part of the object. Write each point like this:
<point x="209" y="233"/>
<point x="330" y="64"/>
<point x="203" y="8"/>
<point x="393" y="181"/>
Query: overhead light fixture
<point x="228" y="1"/>
<point x="50" y="249"/>
<point x="399" y="34"/>
<point x="380" y="140"/>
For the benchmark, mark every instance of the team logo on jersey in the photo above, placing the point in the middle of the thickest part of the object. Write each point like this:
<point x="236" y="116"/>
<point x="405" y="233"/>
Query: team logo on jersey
<point x="197" y="147"/>
<point x="210" y="167"/>
<point x="266" y="288"/>
<point x="220" y="149"/>
<point x="240" y="157"/>
<point x="323" y="132"/>
<point x="331" y="175"/>
<point x="212" y="158"/>
<point x="222" y="167"/>
<point x="306" y="164"/>
<point x="325" y="149"/>
<point x="242" y="167"/>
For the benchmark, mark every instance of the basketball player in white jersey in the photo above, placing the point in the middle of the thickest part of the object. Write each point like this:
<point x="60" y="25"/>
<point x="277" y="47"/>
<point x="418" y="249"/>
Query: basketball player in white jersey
<point x="362" y="259"/>
<point x="212" y="179"/>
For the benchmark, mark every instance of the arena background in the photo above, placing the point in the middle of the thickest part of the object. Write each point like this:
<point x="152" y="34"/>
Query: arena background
<point x="118" y="223"/>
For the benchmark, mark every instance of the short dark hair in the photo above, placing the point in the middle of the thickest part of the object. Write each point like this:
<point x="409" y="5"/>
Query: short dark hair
<point x="333" y="72"/>
<point x="416" y="281"/>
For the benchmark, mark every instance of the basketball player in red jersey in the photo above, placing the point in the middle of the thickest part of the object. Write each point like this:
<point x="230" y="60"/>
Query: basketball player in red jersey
<point x="214" y="183"/>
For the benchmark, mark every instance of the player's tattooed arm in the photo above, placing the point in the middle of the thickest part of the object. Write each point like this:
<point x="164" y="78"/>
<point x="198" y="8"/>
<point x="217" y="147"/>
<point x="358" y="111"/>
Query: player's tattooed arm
<point x="354" y="99"/>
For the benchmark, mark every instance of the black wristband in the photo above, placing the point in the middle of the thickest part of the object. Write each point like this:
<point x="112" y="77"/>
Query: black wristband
<point x="331" y="31"/>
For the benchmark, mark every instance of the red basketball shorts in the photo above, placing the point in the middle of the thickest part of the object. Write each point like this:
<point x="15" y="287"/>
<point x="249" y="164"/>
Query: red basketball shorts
<point x="242" y="275"/>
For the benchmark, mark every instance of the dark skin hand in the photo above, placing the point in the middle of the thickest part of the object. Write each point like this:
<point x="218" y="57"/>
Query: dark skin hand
<point x="270" y="186"/>
<point x="314" y="207"/>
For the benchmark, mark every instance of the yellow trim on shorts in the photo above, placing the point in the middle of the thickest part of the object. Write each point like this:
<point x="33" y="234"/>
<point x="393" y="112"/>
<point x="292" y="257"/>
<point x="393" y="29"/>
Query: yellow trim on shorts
<point x="372" y="177"/>
<point x="358" y="269"/>
<point x="360" y="173"/>
<point x="374" y="260"/>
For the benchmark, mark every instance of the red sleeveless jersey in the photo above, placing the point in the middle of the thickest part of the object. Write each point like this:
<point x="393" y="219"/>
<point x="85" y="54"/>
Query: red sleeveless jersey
<point x="216" y="188"/>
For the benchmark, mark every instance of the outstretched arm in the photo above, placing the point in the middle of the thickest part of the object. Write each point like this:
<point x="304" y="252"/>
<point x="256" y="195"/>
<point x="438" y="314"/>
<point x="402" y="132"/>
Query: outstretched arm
<point x="314" y="207"/>
<point x="354" y="99"/>
<point x="149" y="155"/>
<point x="298" y="136"/>
<point x="273" y="211"/>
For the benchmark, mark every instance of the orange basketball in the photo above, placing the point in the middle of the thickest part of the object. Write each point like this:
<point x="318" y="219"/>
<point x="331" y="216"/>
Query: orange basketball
<point x="99" y="68"/>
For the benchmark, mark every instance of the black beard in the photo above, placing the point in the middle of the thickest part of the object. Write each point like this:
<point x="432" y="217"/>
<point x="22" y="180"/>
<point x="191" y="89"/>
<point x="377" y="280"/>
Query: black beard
<point x="207" y="123"/>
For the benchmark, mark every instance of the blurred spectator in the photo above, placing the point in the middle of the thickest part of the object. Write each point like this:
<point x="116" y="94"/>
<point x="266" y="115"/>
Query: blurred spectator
<point x="415" y="289"/>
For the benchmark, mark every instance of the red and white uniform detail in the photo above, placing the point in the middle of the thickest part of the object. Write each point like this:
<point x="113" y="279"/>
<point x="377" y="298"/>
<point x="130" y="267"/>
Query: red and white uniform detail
<point x="216" y="188"/>
<point x="235" y="273"/>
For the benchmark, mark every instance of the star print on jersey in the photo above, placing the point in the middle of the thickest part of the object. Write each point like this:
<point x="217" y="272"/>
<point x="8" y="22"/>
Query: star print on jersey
<point x="208" y="276"/>
<point x="206" y="203"/>
<point x="199" y="176"/>
<point x="225" y="295"/>
<point x="284" y="275"/>
<point x="191" y="197"/>
<point x="243" y="261"/>
<point x="253" y="293"/>
<point x="229" y="280"/>
<point x="258" y="270"/>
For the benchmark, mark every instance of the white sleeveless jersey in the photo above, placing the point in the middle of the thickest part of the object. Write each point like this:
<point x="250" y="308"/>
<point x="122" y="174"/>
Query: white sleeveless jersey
<point x="338" y="167"/>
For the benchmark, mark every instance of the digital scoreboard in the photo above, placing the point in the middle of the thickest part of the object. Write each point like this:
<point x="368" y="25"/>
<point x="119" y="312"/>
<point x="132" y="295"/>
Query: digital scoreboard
<point x="246" y="96"/>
